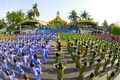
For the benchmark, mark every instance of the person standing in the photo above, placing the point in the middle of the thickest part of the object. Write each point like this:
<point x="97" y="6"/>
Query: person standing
<point x="81" y="73"/>
<point x="24" y="60"/>
<point x="60" y="71"/>
<point x="34" y="71"/>
<point x="18" y="67"/>
<point x="97" y="67"/>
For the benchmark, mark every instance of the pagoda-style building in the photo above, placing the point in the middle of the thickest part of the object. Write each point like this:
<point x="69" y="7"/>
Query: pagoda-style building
<point x="57" y="21"/>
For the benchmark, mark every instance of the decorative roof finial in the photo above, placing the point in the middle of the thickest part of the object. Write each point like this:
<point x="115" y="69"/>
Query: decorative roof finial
<point x="58" y="13"/>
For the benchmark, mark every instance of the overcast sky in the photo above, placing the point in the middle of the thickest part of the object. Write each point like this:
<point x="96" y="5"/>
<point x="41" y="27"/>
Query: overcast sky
<point x="100" y="10"/>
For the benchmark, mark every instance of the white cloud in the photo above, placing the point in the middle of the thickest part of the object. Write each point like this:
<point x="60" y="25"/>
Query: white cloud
<point x="105" y="9"/>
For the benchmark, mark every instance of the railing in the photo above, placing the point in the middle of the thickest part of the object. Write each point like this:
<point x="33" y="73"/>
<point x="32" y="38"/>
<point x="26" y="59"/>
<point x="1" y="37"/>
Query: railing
<point x="109" y="37"/>
<point x="7" y="37"/>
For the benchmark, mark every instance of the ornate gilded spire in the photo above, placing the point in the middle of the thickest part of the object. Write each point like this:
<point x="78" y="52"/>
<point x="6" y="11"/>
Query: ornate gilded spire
<point x="58" y="13"/>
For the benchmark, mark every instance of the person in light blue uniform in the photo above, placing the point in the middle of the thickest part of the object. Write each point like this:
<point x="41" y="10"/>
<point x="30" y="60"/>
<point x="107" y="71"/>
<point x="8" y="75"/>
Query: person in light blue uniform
<point x="47" y="47"/>
<point x="24" y="60"/>
<point x="2" y="75"/>
<point x="5" y="63"/>
<point x="43" y="52"/>
<point x="37" y="63"/>
<point x="10" y="76"/>
<point x="12" y="56"/>
<point x="6" y="54"/>
<point x="18" y="67"/>
<point x="35" y="71"/>
<point x="32" y="52"/>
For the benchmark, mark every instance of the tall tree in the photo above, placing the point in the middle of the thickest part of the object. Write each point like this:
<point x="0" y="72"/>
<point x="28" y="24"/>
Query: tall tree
<point x="115" y="30"/>
<point x="33" y="13"/>
<point x="84" y="15"/>
<point x="89" y="17"/>
<point x="73" y="16"/>
<point x="30" y="14"/>
<point x="105" y="26"/>
<point x="13" y="18"/>
<point x="36" y="11"/>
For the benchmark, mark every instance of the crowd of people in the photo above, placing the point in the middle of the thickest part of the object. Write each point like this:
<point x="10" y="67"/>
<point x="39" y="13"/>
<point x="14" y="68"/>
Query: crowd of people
<point x="91" y="54"/>
<point x="21" y="54"/>
<point x="26" y="53"/>
<point x="95" y="53"/>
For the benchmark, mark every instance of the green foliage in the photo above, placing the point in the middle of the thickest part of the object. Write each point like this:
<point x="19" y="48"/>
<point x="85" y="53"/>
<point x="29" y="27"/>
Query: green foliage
<point x="33" y="13"/>
<point x="30" y="14"/>
<point x="2" y="32"/>
<point x="86" y="22"/>
<point x="115" y="30"/>
<point x="84" y="15"/>
<point x="13" y="18"/>
<point x="2" y="23"/>
<point x="10" y="27"/>
<point x="35" y="10"/>
<point x="73" y="16"/>
<point x="105" y="26"/>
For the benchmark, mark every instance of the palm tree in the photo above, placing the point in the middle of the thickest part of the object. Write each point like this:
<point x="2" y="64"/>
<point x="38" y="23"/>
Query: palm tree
<point x="35" y="11"/>
<point x="13" y="18"/>
<point x="73" y="16"/>
<point x="105" y="26"/>
<point x="21" y="15"/>
<point x="30" y="14"/>
<point x="84" y="15"/>
<point x="89" y="18"/>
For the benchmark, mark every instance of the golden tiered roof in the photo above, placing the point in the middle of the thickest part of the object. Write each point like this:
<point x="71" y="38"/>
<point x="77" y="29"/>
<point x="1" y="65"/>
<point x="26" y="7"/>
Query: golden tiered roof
<point x="57" y="21"/>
